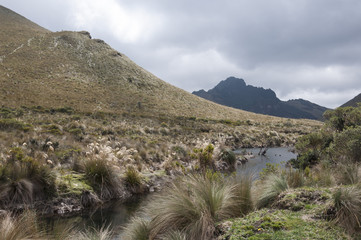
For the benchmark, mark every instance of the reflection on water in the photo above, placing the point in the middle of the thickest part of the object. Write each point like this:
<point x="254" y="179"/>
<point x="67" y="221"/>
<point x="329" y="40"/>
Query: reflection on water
<point x="279" y="155"/>
<point x="116" y="213"/>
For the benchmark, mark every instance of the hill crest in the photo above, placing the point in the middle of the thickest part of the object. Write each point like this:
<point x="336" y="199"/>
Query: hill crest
<point x="234" y="92"/>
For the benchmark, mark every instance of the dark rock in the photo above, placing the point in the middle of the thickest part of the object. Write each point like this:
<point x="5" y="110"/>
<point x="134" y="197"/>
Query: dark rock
<point x="86" y="34"/>
<point x="89" y="199"/>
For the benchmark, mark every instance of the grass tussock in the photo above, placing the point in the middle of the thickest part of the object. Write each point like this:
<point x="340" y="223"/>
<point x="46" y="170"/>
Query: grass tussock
<point x="24" y="179"/>
<point x="174" y="235"/>
<point x="104" y="233"/>
<point x="272" y="187"/>
<point x="138" y="228"/>
<point x="20" y="227"/>
<point x="348" y="174"/>
<point x="132" y="177"/>
<point x="195" y="204"/>
<point x="295" y="178"/>
<point x="347" y="202"/>
<point x="102" y="178"/>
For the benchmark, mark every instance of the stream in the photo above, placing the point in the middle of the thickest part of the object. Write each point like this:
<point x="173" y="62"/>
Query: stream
<point x="278" y="155"/>
<point x="118" y="214"/>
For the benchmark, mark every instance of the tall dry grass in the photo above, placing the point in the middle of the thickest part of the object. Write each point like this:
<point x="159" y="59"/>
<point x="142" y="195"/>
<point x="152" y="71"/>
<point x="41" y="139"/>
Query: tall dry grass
<point x="273" y="185"/>
<point x="23" y="226"/>
<point x="194" y="204"/>
<point x="102" y="178"/>
<point x="347" y="202"/>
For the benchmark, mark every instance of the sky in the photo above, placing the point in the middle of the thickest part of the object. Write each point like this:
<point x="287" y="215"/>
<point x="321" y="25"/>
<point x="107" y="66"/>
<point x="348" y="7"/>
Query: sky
<point x="308" y="49"/>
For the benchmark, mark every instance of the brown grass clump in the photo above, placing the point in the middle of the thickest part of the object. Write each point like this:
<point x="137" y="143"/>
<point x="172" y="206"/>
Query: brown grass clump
<point x="347" y="202"/>
<point x="20" y="227"/>
<point x="194" y="204"/>
<point x="102" y="178"/>
<point x="272" y="187"/>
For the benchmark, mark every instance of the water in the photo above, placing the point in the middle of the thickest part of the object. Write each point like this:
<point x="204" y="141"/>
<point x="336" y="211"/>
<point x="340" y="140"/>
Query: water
<point x="118" y="214"/>
<point x="115" y="213"/>
<point x="279" y="155"/>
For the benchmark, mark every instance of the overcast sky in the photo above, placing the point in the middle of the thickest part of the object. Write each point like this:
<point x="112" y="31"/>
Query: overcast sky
<point x="308" y="49"/>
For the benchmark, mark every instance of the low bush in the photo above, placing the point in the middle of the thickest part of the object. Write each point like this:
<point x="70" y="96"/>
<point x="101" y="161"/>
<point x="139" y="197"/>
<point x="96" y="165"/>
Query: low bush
<point x="204" y="156"/>
<point x="228" y="157"/>
<point x="13" y="124"/>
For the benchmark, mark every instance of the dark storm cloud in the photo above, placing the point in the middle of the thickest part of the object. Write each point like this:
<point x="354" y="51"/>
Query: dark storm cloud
<point x="302" y="48"/>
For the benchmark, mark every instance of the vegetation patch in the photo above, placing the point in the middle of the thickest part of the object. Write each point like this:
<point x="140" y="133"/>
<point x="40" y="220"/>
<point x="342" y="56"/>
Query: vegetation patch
<point x="13" y="124"/>
<point x="72" y="184"/>
<point x="281" y="224"/>
<point x="298" y="199"/>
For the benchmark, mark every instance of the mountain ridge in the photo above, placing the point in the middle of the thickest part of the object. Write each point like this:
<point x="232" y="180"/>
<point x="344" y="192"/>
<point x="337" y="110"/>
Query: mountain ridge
<point x="352" y="102"/>
<point x="234" y="92"/>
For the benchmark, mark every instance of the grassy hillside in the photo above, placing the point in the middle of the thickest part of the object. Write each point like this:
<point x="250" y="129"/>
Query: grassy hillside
<point x="56" y="69"/>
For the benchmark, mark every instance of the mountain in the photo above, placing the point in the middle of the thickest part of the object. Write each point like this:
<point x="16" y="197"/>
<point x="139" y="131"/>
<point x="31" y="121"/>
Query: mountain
<point x="234" y="92"/>
<point x="353" y="102"/>
<point x="56" y="69"/>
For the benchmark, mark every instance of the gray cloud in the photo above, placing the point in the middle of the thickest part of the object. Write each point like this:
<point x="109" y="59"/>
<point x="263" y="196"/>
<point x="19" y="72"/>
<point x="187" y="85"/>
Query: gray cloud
<point x="301" y="49"/>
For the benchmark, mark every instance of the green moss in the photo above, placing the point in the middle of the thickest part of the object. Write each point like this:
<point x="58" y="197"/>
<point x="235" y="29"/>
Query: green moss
<point x="64" y="155"/>
<point x="282" y="224"/>
<point x="72" y="184"/>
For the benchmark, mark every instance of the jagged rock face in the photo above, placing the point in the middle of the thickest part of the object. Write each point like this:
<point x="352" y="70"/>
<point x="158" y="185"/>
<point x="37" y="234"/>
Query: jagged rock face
<point x="234" y="92"/>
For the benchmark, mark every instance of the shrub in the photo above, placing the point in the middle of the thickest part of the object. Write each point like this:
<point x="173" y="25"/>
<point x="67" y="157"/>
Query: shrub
<point x="13" y="124"/>
<point x="204" y="156"/>
<point x="102" y="178"/>
<point x="343" y="117"/>
<point x="269" y="170"/>
<point x="53" y="129"/>
<point x="305" y="159"/>
<point x="347" y="145"/>
<point x="273" y="186"/>
<point x="347" y="202"/>
<point x="228" y="157"/>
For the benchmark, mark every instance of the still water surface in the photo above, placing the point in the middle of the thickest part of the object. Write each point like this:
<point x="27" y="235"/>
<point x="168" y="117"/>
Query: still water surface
<point x="279" y="155"/>
<point x="118" y="214"/>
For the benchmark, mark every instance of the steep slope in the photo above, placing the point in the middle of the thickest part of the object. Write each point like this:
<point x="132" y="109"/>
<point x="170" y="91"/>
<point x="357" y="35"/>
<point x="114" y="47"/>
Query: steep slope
<point x="235" y="93"/>
<point x="55" y="69"/>
<point x="353" y="102"/>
